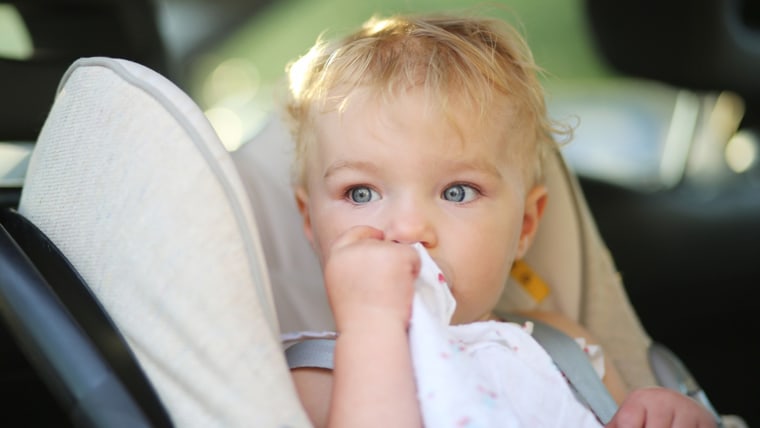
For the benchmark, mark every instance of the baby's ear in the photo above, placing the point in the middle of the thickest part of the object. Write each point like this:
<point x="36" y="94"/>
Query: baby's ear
<point x="302" y="200"/>
<point x="535" y="202"/>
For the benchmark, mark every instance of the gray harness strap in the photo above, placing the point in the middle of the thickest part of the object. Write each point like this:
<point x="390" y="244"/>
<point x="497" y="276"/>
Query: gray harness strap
<point x="567" y="355"/>
<point x="312" y="353"/>
<point x="575" y="365"/>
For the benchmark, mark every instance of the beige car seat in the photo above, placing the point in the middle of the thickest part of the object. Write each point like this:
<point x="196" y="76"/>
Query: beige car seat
<point x="129" y="180"/>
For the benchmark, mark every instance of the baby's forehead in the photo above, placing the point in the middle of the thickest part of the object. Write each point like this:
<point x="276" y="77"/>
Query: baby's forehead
<point x="497" y="123"/>
<point x="454" y="106"/>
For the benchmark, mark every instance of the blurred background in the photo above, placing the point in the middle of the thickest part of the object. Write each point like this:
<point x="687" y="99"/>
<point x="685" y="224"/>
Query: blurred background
<point x="664" y="95"/>
<point x="240" y="79"/>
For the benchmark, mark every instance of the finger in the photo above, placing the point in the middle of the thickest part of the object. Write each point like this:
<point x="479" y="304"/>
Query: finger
<point x="630" y="415"/>
<point x="358" y="233"/>
<point x="413" y="257"/>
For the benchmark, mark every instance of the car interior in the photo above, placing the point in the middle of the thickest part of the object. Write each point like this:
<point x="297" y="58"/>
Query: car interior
<point x="671" y="299"/>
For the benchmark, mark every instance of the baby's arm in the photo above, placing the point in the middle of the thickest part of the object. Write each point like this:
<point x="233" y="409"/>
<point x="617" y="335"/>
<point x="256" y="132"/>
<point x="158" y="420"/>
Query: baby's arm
<point x="370" y="284"/>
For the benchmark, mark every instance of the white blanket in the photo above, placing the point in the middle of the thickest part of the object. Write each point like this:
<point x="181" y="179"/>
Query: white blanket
<point x="484" y="374"/>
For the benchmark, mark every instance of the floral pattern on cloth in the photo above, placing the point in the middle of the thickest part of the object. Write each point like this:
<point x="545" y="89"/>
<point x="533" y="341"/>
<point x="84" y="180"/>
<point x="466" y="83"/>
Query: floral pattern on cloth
<point x="483" y="374"/>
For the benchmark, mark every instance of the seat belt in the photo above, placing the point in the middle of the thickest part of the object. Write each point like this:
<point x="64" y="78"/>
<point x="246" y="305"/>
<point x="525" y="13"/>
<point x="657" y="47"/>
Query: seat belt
<point x="575" y="365"/>
<point x="564" y="351"/>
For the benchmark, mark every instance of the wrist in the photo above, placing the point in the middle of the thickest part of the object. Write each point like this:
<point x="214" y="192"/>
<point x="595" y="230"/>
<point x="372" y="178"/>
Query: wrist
<point x="372" y="322"/>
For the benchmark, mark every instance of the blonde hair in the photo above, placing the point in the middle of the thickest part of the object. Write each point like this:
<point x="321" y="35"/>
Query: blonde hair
<point x="471" y="58"/>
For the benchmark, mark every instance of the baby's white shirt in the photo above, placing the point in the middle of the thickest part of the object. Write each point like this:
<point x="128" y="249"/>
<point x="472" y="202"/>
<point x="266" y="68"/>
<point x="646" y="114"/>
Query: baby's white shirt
<point x="483" y="374"/>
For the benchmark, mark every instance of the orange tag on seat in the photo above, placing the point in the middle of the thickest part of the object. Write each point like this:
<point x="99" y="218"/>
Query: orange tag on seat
<point x="529" y="281"/>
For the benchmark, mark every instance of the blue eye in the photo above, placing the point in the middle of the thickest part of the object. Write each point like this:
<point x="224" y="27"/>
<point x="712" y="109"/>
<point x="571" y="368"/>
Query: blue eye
<point x="459" y="193"/>
<point x="362" y="195"/>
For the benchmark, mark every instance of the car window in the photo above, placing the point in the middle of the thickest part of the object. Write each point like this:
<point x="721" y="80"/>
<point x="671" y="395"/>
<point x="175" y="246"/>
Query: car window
<point x="14" y="38"/>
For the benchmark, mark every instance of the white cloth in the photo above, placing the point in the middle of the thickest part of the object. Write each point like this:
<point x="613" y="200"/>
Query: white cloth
<point x="483" y="374"/>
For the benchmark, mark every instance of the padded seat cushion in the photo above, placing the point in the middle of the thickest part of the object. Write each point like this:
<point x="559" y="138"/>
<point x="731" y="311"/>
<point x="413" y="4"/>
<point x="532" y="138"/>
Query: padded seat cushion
<point x="130" y="181"/>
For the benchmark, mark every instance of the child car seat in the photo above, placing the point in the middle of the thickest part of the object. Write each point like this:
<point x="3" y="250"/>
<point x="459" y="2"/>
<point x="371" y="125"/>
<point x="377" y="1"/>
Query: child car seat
<point x="131" y="183"/>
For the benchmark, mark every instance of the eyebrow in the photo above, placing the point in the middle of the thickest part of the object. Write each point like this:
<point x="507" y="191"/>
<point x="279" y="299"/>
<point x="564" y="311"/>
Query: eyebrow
<point x="454" y="166"/>
<point x="482" y="166"/>
<point x="349" y="164"/>
<point x="479" y="166"/>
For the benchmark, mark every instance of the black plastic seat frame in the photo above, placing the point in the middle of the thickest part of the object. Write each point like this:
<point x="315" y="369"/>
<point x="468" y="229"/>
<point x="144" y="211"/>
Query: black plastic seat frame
<point x="67" y="335"/>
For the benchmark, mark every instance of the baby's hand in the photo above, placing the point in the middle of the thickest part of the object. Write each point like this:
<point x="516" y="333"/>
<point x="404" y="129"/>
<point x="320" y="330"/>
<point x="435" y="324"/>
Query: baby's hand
<point x="369" y="279"/>
<point x="659" y="408"/>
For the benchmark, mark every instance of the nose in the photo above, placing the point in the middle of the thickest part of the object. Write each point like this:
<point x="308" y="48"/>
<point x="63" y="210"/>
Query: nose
<point x="411" y="223"/>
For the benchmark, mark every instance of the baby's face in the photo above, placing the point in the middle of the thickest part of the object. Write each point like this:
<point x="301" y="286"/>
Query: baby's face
<point x="409" y="172"/>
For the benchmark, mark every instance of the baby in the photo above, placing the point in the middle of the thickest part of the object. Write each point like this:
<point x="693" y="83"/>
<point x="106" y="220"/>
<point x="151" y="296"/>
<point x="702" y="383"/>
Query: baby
<point x="427" y="131"/>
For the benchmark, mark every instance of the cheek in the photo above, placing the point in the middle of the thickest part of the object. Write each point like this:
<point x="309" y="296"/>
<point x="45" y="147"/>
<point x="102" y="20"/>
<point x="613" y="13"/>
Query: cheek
<point x="484" y="256"/>
<point x="496" y="237"/>
<point x="323" y="231"/>
<point x="330" y="220"/>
